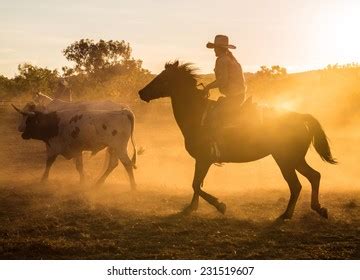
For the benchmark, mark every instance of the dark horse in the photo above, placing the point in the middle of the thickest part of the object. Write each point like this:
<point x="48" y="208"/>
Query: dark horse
<point x="286" y="136"/>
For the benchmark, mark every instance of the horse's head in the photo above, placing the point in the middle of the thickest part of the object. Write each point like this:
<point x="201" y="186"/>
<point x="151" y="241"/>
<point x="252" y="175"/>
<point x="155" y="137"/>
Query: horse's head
<point x="171" y="80"/>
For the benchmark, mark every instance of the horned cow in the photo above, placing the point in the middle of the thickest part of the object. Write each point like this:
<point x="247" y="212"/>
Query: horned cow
<point x="47" y="104"/>
<point x="70" y="132"/>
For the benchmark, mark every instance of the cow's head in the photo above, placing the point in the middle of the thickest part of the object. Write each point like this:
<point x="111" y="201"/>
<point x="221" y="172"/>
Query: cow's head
<point x="29" y="108"/>
<point x="39" y="125"/>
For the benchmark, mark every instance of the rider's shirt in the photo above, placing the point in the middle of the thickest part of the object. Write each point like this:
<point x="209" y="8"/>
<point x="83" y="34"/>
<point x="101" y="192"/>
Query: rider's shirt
<point x="229" y="76"/>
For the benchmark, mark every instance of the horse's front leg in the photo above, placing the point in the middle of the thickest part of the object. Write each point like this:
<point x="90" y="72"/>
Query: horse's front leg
<point x="201" y="169"/>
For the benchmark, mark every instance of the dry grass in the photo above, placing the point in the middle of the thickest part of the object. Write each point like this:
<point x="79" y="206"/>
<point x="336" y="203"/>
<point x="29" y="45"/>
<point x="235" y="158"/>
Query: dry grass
<point x="70" y="222"/>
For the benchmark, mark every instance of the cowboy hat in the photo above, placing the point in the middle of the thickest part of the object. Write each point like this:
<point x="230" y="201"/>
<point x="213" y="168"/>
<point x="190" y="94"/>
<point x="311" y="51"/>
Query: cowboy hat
<point x="220" y="41"/>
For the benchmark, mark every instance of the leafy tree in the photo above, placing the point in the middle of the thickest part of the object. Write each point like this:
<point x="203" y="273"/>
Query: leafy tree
<point x="4" y="84"/>
<point x="91" y="57"/>
<point x="104" y="68"/>
<point x="264" y="80"/>
<point x="275" y="71"/>
<point x="33" y="79"/>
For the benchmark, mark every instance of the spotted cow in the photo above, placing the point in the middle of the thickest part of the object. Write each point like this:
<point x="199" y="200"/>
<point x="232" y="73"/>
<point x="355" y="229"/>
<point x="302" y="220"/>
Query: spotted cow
<point x="70" y="132"/>
<point x="47" y="104"/>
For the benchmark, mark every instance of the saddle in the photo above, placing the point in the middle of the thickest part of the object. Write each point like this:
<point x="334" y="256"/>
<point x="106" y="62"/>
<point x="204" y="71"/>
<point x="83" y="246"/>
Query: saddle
<point x="228" y="113"/>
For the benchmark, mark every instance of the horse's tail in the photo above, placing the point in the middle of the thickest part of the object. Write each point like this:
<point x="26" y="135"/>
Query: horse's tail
<point x="132" y="121"/>
<point x="319" y="139"/>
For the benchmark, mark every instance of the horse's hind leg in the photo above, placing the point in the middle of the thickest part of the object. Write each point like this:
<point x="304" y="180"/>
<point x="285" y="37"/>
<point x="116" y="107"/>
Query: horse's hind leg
<point x="295" y="188"/>
<point x="126" y="161"/>
<point x="314" y="178"/>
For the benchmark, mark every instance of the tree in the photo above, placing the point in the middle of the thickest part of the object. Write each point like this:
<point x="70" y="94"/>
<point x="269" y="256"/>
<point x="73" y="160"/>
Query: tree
<point x="91" y="57"/>
<point x="275" y="71"/>
<point x="265" y="79"/>
<point x="33" y="79"/>
<point x="104" y="68"/>
<point x="4" y="83"/>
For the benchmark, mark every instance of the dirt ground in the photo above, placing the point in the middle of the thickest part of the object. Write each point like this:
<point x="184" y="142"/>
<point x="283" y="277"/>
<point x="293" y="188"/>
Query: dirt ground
<point x="65" y="220"/>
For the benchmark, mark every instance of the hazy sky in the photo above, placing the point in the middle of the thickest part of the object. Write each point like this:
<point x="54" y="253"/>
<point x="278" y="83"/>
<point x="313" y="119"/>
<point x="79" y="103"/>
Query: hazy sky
<point x="298" y="34"/>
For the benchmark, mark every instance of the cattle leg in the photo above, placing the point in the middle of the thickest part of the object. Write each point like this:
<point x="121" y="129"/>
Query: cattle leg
<point x="126" y="161"/>
<point x="113" y="162"/>
<point x="80" y="168"/>
<point x="49" y="162"/>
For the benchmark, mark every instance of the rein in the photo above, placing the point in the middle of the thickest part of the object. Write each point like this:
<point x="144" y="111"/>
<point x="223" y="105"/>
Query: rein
<point x="206" y="92"/>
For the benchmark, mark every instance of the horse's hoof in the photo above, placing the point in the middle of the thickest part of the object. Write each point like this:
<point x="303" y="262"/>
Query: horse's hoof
<point x="221" y="208"/>
<point x="285" y="217"/>
<point x="188" y="210"/>
<point x="323" y="212"/>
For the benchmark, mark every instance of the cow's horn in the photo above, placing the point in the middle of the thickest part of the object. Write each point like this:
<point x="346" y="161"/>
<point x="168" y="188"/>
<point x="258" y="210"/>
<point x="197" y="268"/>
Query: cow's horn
<point x="22" y="112"/>
<point x="16" y="108"/>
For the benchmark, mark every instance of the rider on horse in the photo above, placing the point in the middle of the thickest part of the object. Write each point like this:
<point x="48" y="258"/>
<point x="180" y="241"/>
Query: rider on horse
<point x="228" y="72"/>
<point x="230" y="81"/>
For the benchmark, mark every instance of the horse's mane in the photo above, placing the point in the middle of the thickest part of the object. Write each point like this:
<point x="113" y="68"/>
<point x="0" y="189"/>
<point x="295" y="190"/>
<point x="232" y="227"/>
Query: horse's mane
<point x="187" y="70"/>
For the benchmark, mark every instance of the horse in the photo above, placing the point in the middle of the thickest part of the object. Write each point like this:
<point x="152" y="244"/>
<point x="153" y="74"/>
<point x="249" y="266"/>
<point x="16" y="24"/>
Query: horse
<point x="286" y="136"/>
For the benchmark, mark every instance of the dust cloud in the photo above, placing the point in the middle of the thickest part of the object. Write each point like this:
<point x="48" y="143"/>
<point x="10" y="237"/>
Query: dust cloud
<point x="330" y="97"/>
<point x="63" y="219"/>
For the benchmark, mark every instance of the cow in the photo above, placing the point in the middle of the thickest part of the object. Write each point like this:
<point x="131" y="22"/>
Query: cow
<point x="47" y="104"/>
<point x="72" y="131"/>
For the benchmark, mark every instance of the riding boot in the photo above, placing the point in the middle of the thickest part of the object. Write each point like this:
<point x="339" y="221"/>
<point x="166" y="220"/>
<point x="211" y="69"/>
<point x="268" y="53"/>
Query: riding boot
<point x="215" y="151"/>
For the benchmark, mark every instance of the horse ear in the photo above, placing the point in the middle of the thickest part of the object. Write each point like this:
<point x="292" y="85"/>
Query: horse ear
<point x="170" y="65"/>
